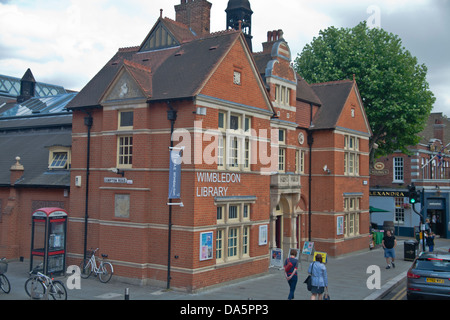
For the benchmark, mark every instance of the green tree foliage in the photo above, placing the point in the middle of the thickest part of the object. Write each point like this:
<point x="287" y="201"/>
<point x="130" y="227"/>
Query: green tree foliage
<point x="393" y="86"/>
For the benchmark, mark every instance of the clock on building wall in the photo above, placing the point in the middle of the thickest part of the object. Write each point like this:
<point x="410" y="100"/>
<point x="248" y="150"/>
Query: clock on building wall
<point x="301" y="138"/>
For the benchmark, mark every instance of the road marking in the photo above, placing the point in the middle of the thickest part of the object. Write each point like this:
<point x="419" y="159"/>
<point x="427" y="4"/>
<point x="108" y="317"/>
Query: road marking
<point x="400" y="295"/>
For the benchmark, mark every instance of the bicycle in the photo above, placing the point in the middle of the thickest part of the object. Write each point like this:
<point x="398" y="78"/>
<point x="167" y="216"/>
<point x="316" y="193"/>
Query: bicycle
<point x="104" y="270"/>
<point x="40" y="286"/>
<point x="4" y="282"/>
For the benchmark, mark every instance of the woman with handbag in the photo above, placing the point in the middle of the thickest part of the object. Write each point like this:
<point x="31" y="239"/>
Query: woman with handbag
<point x="319" y="278"/>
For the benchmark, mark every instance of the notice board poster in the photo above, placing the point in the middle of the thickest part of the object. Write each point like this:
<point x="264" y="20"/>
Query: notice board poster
<point x="276" y="258"/>
<point x="206" y="246"/>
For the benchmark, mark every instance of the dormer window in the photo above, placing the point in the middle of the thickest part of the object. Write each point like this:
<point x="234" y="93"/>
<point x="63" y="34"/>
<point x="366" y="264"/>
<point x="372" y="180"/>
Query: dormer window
<point x="59" y="157"/>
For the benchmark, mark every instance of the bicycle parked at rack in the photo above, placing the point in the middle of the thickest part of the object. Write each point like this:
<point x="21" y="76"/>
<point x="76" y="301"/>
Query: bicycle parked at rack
<point x="104" y="270"/>
<point x="4" y="282"/>
<point x="40" y="286"/>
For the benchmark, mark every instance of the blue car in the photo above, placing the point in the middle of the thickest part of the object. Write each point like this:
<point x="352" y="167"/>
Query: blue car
<point x="429" y="276"/>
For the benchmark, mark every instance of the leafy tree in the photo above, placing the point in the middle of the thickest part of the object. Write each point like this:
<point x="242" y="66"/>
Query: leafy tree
<point x="393" y="86"/>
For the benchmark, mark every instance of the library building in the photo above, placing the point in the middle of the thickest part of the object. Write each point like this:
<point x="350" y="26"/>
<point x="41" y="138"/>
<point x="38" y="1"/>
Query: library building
<point x="193" y="158"/>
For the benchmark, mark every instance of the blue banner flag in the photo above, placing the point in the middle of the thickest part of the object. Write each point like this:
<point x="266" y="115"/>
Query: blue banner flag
<point x="175" y="174"/>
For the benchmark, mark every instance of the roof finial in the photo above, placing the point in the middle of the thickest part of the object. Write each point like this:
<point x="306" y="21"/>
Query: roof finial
<point x="160" y="13"/>
<point x="240" y="25"/>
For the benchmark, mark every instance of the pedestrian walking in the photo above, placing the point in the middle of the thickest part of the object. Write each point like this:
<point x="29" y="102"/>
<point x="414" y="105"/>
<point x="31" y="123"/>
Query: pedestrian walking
<point x="429" y="240"/>
<point x="290" y="271"/>
<point x="319" y="278"/>
<point x="389" y="243"/>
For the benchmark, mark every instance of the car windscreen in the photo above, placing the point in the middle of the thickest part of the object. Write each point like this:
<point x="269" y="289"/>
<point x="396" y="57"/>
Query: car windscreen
<point x="437" y="265"/>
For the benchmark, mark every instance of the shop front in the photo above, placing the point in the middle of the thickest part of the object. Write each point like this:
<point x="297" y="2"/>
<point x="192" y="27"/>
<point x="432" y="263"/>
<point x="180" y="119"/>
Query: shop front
<point x="437" y="213"/>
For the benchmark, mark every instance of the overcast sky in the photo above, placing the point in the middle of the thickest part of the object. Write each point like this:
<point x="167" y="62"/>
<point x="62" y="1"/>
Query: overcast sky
<point x="67" y="42"/>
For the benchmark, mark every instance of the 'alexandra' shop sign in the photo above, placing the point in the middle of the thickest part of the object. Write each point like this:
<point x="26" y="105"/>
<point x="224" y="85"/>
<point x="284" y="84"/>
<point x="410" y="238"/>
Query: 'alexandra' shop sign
<point x="216" y="177"/>
<point x="388" y="194"/>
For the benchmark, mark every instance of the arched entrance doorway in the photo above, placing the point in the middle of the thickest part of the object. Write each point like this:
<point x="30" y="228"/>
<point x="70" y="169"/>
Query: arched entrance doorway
<point x="285" y="226"/>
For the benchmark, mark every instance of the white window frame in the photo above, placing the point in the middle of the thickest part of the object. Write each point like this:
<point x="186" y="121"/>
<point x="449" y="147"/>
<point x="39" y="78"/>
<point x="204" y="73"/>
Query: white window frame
<point x="399" y="210"/>
<point x="351" y="155"/>
<point x="58" y="151"/>
<point x="233" y="231"/>
<point x="121" y="113"/>
<point x="352" y="215"/>
<point x="122" y="155"/>
<point x="282" y="150"/>
<point x="234" y="144"/>
<point x="398" y="164"/>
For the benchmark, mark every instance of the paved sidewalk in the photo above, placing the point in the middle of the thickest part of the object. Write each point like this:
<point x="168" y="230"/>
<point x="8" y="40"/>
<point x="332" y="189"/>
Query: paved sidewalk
<point x="347" y="281"/>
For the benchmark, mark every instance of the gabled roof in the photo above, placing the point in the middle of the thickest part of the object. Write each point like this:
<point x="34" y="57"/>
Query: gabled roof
<point x="333" y="96"/>
<point x="174" y="33"/>
<point x="305" y="93"/>
<point x="177" y="72"/>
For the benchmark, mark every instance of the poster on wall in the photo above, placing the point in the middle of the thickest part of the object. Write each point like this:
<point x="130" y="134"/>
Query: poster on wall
<point x="206" y="246"/>
<point x="276" y="258"/>
<point x="262" y="235"/>
<point x="340" y="225"/>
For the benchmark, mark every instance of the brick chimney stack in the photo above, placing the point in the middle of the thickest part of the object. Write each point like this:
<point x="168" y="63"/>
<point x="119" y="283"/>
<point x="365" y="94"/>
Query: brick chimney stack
<point x="17" y="170"/>
<point x="196" y="14"/>
<point x="272" y="37"/>
<point x="439" y="128"/>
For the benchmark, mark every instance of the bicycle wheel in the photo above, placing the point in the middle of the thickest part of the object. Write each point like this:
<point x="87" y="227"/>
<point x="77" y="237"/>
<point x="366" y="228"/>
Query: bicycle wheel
<point x="85" y="268"/>
<point x="35" y="288"/>
<point x="4" y="284"/>
<point x="106" y="271"/>
<point x="58" y="291"/>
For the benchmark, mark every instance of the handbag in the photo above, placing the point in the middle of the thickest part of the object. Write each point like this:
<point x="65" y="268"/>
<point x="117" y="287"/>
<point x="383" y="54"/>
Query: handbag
<point x="308" y="280"/>
<point x="326" y="295"/>
<point x="288" y="265"/>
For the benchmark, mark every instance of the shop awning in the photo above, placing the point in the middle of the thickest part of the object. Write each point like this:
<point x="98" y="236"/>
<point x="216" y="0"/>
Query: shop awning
<point x="373" y="209"/>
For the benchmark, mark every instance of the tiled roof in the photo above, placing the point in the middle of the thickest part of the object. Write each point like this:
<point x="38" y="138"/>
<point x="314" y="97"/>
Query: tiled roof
<point x="333" y="96"/>
<point x="29" y="138"/>
<point x="176" y="72"/>
<point x="306" y="93"/>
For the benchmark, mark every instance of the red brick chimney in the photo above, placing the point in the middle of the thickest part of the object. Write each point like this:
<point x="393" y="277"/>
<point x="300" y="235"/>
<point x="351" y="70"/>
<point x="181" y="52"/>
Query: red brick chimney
<point x="196" y="14"/>
<point x="439" y="129"/>
<point x="272" y="37"/>
<point x="16" y="171"/>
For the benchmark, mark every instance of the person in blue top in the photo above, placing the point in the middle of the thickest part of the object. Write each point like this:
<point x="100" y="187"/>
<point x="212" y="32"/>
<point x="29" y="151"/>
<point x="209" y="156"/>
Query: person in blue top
<point x="290" y="271"/>
<point x="319" y="278"/>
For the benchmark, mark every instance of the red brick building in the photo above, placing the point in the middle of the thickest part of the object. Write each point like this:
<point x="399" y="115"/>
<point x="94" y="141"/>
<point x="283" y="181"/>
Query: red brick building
<point x="245" y="120"/>
<point x="269" y="161"/>
<point x="427" y="166"/>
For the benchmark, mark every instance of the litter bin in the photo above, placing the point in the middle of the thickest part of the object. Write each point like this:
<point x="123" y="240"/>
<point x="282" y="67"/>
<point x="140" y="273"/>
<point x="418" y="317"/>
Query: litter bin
<point x="411" y="248"/>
